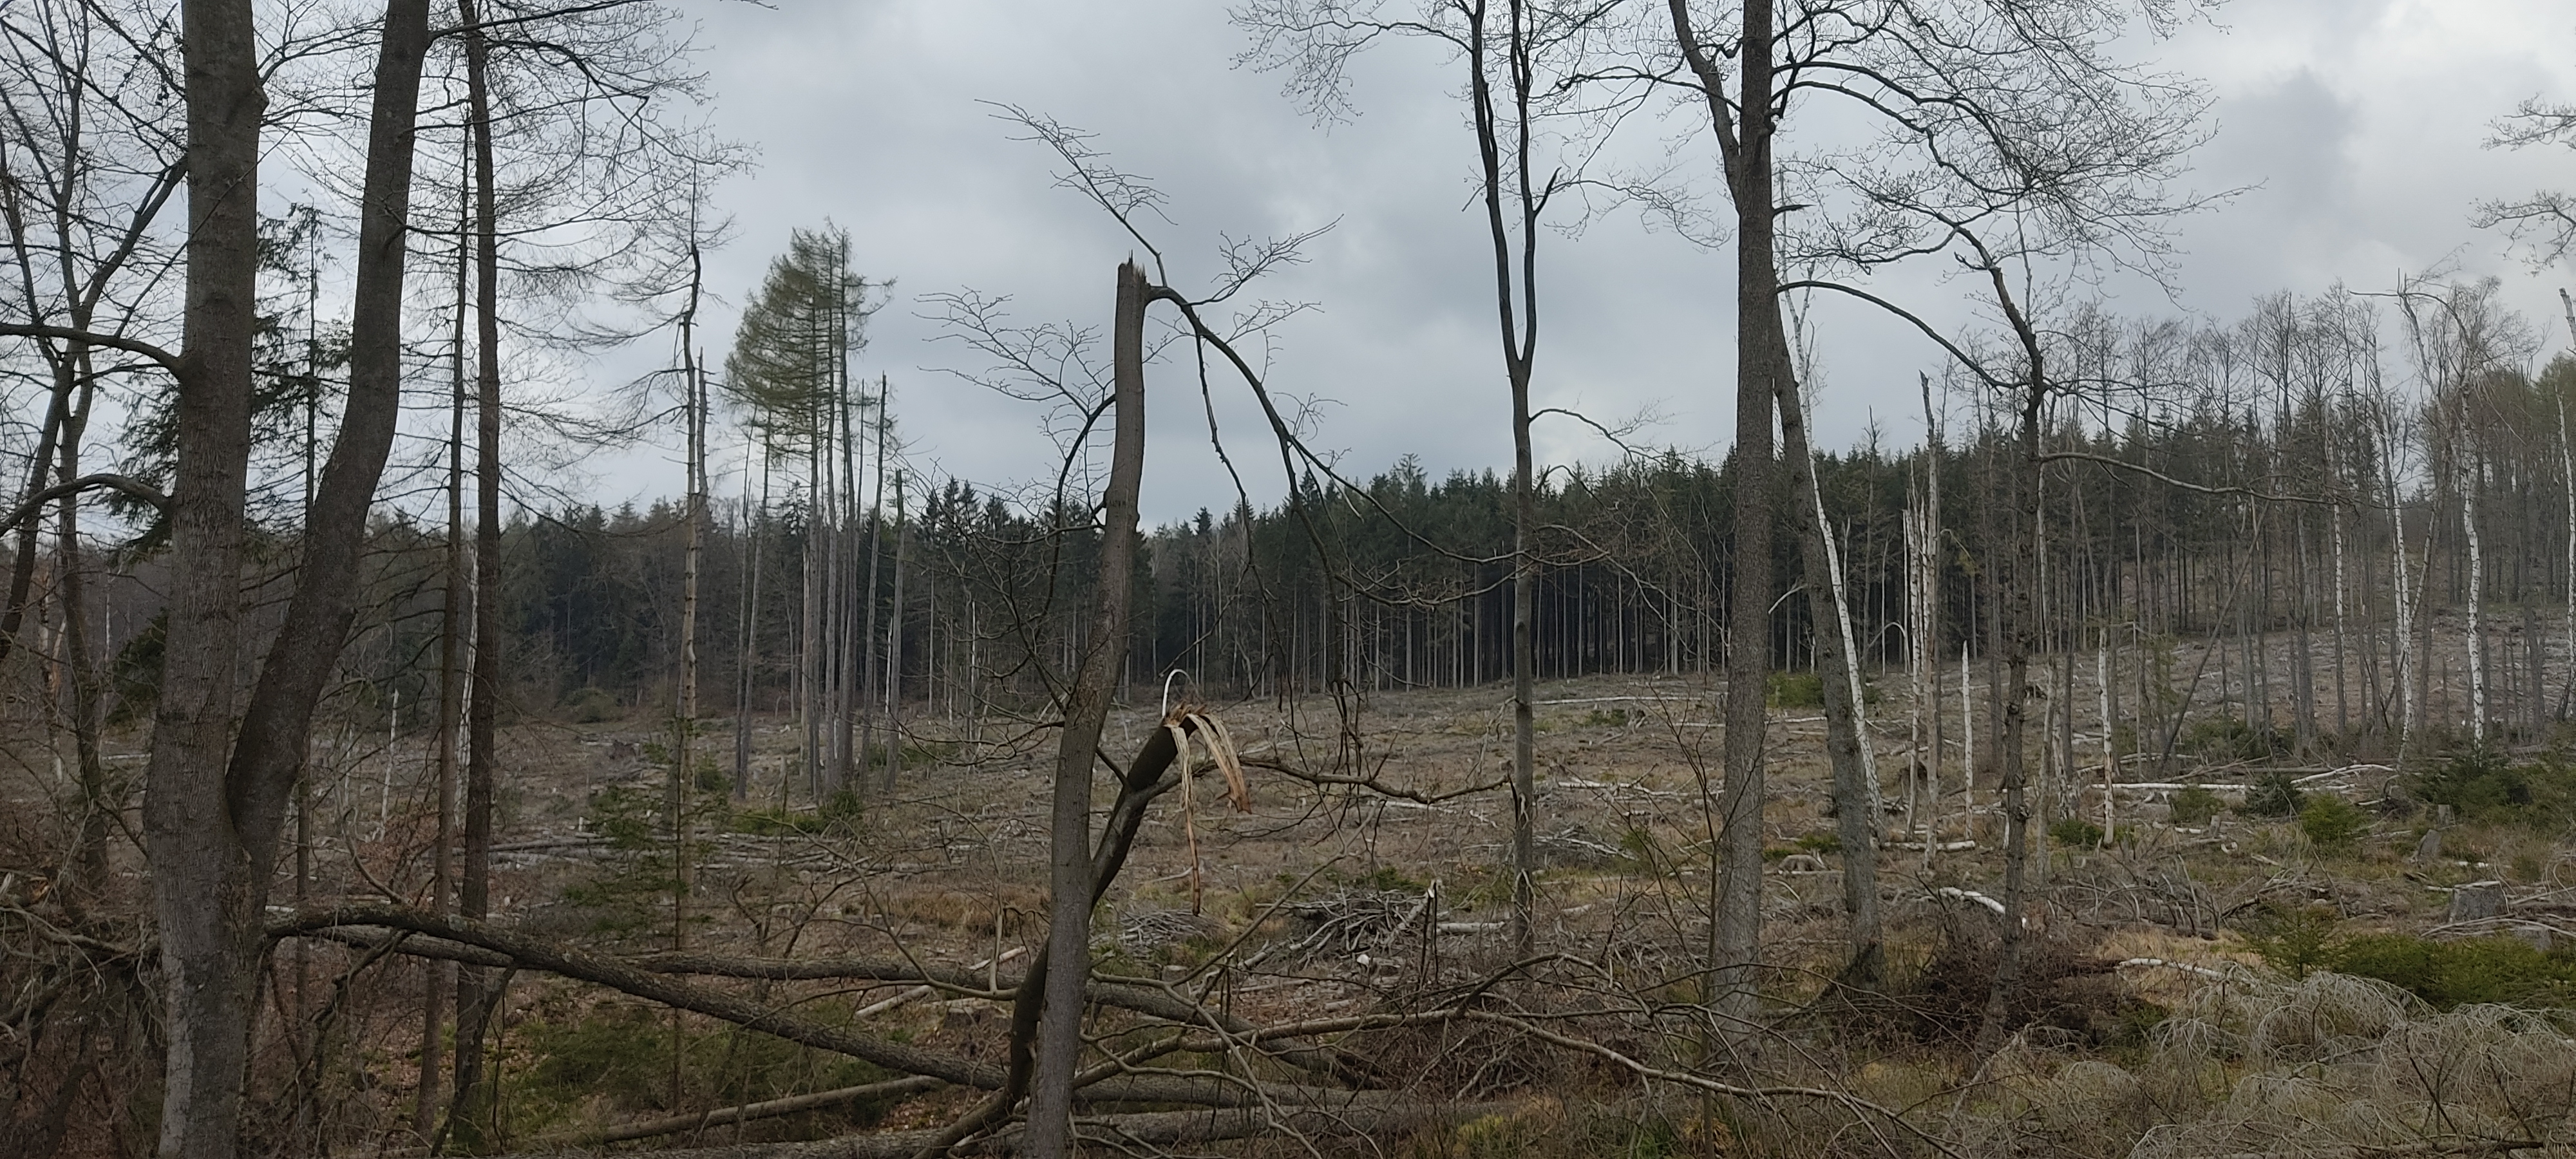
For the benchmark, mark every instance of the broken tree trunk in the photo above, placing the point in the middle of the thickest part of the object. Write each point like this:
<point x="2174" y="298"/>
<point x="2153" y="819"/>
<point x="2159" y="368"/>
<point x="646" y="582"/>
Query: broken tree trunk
<point x="1086" y="710"/>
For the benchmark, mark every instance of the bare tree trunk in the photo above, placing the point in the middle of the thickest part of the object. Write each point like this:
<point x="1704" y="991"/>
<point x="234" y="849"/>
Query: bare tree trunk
<point x="483" y="692"/>
<point x="745" y="647"/>
<point x="101" y="797"/>
<point x="2477" y="599"/>
<point x="848" y="648"/>
<point x="451" y="688"/>
<point x="1968" y="732"/>
<point x="2110" y="751"/>
<point x="2567" y="472"/>
<point x="216" y="797"/>
<point x="2343" y="709"/>
<point x="1735" y="934"/>
<point x="22" y="572"/>
<point x="894" y="643"/>
<point x="1929" y="691"/>
<point x="2303" y="674"/>
<point x="205" y="892"/>
<point x="1504" y="136"/>
<point x="876" y="535"/>
<point x="1916" y="771"/>
<point x="1086" y="710"/>
<point x="809" y="621"/>
<point x="2014" y="588"/>
<point x="2410" y="691"/>
<point x="685" y="725"/>
<point x="1855" y="773"/>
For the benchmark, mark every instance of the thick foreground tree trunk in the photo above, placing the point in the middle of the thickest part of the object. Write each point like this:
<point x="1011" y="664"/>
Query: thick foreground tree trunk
<point x="483" y="713"/>
<point x="216" y="799"/>
<point x="1760" y="366"/>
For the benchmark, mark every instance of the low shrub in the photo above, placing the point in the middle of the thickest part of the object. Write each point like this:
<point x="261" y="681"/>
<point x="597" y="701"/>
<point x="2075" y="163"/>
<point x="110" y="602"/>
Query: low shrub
<point x="2274" y="794"/>
<point x="569" y="1058"/>
<point x="2332" y="823"/>
<point x="2458" y="973"/>
<point x="1797" y="690"/>
<point x="2481" y="784"/>
<point x="2303" y="941"/>
<point x="2297" y="942"/>
<point x="2075" y="832"/>
<point x="2230" y="738"/>
<point x="592" y="706"/>
<point x="2193" y="806"/>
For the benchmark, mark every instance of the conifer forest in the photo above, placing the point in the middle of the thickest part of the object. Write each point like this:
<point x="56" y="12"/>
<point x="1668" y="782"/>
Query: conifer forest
<point x="514" y="643"/>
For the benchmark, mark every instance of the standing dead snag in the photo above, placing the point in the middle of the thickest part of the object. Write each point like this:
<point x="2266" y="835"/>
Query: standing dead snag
<point x="1855" y="776"/>
<point x="1086" y="710"/>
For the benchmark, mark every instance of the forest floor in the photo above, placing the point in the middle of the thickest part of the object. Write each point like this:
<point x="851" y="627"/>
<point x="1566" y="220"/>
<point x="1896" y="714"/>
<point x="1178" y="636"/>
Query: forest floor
<point x="1330" y="899"/>
<point x="1326" y="898"/>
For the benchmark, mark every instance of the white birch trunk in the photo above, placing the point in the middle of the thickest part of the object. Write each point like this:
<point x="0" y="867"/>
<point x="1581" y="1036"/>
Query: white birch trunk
<point x="1851" y="660"/>
<point x="1967" y="747"/>
<point x="2567" y="468"/>
<point x="2407" y="693"/>
<point x="2477" y="605"/>
<point x="2110" y="751"/>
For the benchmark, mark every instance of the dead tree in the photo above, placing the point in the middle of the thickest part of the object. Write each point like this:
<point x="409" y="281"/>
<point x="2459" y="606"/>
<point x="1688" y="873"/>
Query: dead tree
<point x="1524" y="60"/>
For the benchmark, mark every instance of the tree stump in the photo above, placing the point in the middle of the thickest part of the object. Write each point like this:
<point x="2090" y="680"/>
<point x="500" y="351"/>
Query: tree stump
<point x="2478" y="899"/>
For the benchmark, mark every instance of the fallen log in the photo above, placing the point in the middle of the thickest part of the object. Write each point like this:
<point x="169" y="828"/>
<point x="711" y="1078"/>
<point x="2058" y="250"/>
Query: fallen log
<point x="534" y="953"/>
<point x="728" y="1116"/>
<point x="1345" y="1119"/>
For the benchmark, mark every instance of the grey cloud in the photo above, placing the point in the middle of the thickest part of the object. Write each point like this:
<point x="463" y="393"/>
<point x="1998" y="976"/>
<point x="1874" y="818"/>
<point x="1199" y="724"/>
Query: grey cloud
<point x="867" y="114"/>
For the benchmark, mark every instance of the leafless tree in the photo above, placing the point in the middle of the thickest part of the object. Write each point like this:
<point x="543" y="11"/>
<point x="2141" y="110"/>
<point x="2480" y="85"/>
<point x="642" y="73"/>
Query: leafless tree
<point x="2543" y="224"/>
<point x="1973" y="132"/>
<point x="223" y="766"/>
<point x="1535" y="121"/>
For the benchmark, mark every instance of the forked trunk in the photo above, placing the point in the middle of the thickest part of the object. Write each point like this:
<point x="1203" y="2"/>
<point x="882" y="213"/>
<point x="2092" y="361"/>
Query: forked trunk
<point x="218" y="784"/>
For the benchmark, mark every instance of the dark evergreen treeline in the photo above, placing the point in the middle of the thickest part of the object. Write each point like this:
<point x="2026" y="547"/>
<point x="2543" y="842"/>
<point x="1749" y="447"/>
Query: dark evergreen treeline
<point x="2245" y="514"/>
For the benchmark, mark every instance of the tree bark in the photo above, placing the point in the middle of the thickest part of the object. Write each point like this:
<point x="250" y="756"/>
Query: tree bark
<point x="1735" y="935"/>
<point x="1500" y="162"/>
<point x="473" y="895"/>
<point x="1855" y="779"/>
<point x="1086" y="710"/>
<point x="217" y="799"/>
<point x="452" y="615"/>
<point x="2016" y="630"/>
<point x="894" y="641"/>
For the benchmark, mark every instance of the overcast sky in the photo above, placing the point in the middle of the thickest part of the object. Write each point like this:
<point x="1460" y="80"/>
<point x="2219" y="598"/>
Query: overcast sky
<point x="2359" y="122"/>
